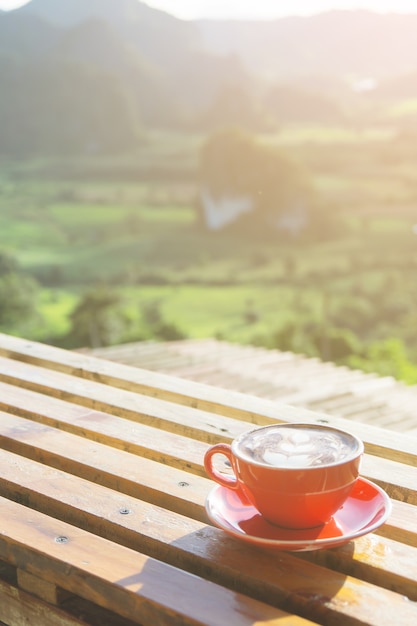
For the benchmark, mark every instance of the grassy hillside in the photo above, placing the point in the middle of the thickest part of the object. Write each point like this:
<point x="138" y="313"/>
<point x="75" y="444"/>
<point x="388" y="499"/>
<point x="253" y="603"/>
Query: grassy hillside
<point x="76" y="225"/>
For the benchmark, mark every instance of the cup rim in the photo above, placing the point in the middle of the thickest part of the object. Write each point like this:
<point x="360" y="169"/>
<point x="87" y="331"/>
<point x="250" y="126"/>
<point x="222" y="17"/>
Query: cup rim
<point x="357" y="452"/>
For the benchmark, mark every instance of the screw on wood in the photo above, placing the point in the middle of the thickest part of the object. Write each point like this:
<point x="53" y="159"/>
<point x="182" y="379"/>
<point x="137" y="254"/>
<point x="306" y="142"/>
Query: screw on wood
<point x="124" y="511"/>
<point x="182" y="483"/>
<point x="61" y="539"/>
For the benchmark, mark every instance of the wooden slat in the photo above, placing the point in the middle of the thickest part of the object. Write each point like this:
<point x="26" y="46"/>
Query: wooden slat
<point x="402" y="524"/>
<point x="68" y="431"/>
<point x="168" y="416"/>
<point x="391" y="564"/>
<point x="18" y="608"/>
<point x="118" y="578"/>
<point x="149" y="480"/>
<point x="197" y="547"/>
<point x="399" y="480"/>
<point x="43" y="590"/>
<point x="381" y="442"/>
<point x="175" y="490"/>
<point x="174" y="450"/>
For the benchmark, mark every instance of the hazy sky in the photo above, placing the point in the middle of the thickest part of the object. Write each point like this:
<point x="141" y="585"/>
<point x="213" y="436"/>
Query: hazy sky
<point x="190" y="9"/>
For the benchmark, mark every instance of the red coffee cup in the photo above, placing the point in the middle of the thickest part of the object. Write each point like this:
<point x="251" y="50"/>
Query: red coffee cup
<point x="296" y="475"/>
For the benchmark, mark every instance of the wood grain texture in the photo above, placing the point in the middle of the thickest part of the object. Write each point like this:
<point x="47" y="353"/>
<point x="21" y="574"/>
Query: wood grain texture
<point x="168" y="416"/>
<point x="123" y="471"/>
<point x="123" y="580"/>
<point x="18" y="608"/>
<point x="165" y="447"/>
<point x="40" y="588"/>
<point x="362" y="566"/>
<point x="176" y="449"/>
<point x="102" y="494"/>
<point x="176" y="490"/>
<point x="402" y="524"/>
<point x="215" y="400"/>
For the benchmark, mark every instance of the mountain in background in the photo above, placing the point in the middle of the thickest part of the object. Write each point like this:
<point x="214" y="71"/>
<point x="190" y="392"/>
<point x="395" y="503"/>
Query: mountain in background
<point x="26" y="36"/>
<point x="92" y="75"/>
<point x="337" y="43"/>
<point x="155" y="35"/>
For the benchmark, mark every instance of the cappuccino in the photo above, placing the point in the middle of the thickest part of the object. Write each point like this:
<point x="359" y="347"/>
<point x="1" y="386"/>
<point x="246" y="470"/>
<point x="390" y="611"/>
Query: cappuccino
<point x="296" y="446"/>
<point x="295" y="475"/>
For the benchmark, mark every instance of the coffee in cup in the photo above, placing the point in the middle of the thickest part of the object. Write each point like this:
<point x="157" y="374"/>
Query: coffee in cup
<point x="296" y="475"/>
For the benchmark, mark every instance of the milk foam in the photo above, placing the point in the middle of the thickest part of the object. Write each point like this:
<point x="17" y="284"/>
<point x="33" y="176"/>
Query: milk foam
<point x="297" y="446"/>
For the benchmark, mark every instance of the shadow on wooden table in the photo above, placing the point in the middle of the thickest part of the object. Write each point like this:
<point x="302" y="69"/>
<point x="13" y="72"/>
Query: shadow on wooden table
<point x="281" y="579"/>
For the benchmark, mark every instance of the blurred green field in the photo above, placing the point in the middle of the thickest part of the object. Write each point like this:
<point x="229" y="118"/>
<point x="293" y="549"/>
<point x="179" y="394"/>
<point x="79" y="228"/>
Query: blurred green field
<point x="141" y="238"/>
<point x="326" y="133"/>
<point x="207" y="311"/>
<point x="403" y="108"/>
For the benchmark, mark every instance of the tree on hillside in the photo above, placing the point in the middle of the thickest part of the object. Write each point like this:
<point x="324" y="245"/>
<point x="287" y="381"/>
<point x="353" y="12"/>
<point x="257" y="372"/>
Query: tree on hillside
<point x="226" y="162"/>
<point x="17" y="294"/>
<point x="235" y="105"/>
<point x="291" y="104"/>
<point x="234" y="163"/>
<point x="98" y="319"/>
<point x="8" y="264"/>
<point x="61" y="108"/>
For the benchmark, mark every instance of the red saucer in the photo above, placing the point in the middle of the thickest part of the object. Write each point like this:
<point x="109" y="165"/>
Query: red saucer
<point x="367" y="508"/>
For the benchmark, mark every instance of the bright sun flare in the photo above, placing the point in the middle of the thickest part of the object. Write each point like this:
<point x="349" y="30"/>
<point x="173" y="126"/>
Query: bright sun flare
<point x="258" y="9"/>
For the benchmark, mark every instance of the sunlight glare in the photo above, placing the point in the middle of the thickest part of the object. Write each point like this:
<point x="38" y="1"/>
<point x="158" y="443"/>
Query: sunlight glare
<point x="257" y="9"/>
<point x="270" y="9"/>
<point x="8" y="5"/>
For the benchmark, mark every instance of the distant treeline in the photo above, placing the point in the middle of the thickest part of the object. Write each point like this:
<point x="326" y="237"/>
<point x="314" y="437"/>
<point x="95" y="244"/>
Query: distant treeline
<point x="54" y="109"/>
<point x="82" y="78"/>
<point x="68" y="107"/>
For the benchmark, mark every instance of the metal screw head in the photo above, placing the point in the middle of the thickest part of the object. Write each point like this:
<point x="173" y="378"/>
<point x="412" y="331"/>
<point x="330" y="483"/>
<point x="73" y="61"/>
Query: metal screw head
<point x="61" y="539"/>
<point x="183" y="484"/>
<point x="124" y="511"/>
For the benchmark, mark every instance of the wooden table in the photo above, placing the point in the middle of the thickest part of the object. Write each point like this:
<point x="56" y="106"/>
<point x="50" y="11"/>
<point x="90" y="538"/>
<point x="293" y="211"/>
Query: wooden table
<point x="102" y="496"/>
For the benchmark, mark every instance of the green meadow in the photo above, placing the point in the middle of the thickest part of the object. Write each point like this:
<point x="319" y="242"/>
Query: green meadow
<point x="75" y="226"/>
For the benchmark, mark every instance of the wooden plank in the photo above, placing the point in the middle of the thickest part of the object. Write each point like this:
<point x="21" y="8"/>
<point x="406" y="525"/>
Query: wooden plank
<point x="125" y="581"/>
<point x="201" y="549"/>
<point x="128" y="473"/>
<point x="43" y="590"/>
<point x="93" y="614"/>
<point x="380" y="442"/>
<point x="18" y="608"/>
<point x="398" y="479"/>
<point x="168" y="416"/>
<point x="173" y="450"/>
<point x="8" y="573"/>
<point x="402" y="524"/>
<point x="148" y="480"/>
<point x="383" y="562"/>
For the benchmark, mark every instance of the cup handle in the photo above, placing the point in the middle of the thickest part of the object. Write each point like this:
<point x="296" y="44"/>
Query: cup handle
<point x="222" y="479"/>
